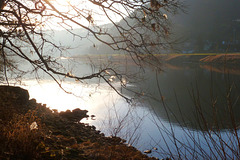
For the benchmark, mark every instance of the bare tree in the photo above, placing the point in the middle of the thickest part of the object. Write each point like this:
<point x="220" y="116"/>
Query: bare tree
<point x="143" y="29"/>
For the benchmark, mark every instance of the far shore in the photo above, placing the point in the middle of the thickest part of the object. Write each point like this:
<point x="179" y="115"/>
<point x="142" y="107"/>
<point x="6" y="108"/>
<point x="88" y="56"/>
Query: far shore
<point x="174" y="58"/>
<point x="230" y="58"/>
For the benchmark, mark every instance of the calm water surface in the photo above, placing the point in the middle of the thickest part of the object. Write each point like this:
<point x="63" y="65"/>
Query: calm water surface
<point x="174" y="104"/>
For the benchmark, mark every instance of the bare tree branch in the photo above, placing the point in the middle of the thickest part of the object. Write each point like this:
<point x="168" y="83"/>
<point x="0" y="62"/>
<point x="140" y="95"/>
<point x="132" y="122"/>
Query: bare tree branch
<point x="142" y="31"/>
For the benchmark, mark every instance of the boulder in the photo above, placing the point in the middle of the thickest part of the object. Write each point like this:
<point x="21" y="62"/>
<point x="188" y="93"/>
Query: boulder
<point x="14" y="94"/>
<point x="75" y="116"/>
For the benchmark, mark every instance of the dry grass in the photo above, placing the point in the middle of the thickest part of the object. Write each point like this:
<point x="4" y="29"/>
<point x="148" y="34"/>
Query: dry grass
<point x="19" y="139"/>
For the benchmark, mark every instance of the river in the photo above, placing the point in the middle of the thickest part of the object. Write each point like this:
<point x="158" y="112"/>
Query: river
<point x="184" y="110"/>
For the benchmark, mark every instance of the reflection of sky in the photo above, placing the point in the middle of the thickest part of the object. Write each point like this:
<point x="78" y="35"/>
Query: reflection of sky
<point x="103" y="103"/>
<point x="48" y="92"/>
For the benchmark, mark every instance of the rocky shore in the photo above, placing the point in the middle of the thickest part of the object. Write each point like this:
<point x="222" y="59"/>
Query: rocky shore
<point x="30" y="130"/>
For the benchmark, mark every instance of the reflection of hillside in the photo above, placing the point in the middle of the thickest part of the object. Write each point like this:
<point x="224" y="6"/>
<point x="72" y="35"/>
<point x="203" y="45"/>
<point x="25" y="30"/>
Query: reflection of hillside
<point x="119" y="62"/>
<point x="175" y="67"/>
<point x="222" y="69"/>
<point x="184" y="83"/>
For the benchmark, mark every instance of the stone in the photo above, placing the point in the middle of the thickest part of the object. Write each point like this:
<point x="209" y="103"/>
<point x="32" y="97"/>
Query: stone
<point x="148" y="151"/>
<point x="15" y="94"/>
<point x="75" y="116"/>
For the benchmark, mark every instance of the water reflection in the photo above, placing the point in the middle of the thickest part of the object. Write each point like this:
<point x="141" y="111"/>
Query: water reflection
<point x="233" y="70"/>
<point x="188" y="93"/>
<point x="193" y="97"/>
<point x="82" y="96"/>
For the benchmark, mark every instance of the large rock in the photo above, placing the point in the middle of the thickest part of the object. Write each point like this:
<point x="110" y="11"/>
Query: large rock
<point x="75" y="116"/>
<point x="14" y="94"/>
<point x="13" y="100"/>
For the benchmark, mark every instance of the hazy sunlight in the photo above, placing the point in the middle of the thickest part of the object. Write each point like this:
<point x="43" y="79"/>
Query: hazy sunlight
<point x="85" y="97"/>
<point x="82" y="9"/>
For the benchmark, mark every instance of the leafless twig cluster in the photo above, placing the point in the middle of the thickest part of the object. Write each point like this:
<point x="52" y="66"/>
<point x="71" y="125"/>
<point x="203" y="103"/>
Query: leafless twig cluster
<point x="142" y="30"/>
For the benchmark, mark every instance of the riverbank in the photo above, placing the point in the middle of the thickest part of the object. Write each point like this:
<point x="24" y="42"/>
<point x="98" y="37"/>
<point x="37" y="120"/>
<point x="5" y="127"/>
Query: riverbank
<point x="32" y="131"/>
<point x="231" y="58"/>
<point x="201" y="58"/>
<point x="221" y="63"/>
